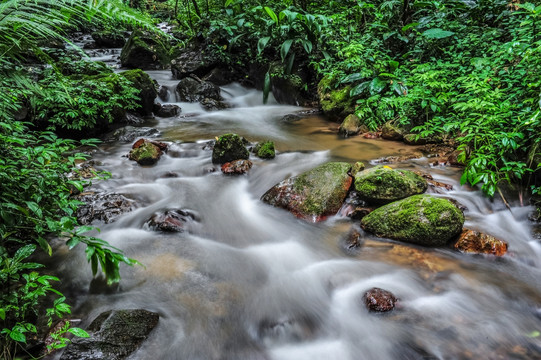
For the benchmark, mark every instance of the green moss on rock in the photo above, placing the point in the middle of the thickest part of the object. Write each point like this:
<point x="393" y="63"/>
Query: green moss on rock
<point x="265" y="150"/>
<point x="419" y="219"/>
<point x="147" y="89"/>
<point x="335" y="103"/>
<point x="229" y="147"/>
<point x="146" y="154"/>
<point x="350" y="126"/>
<point x="314" y="194"/>
<point x="382" y="185"/>
<point x="145" y="51"/>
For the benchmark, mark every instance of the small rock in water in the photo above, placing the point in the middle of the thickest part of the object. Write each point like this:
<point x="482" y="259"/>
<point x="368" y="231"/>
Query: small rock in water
<point x="170" y="220"/>
<point x="352" y="242"/>
<point x="237" y="167"/>
<point x="354" y="207"/>
<point x="471" y="241"/>
<point x="166" y="110"/>
<point x="265" y="150"/>
<point x="163" y="93"/>
<point x="102" y="207"/>
<point x="379" y="300"/>
<point x="229" y="147"/>
<point x="147" y="152"/>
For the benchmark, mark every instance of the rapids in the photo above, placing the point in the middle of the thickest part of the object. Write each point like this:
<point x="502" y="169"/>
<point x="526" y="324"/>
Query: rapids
<point x="249" y="281"/>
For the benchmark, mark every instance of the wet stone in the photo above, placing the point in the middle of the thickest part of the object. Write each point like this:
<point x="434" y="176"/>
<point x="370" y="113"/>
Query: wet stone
<point x="237" y="167"/>
<point x="170" y="220"/>
<point x="114" y="335"/>
<point x="102" y="207"/>
<point x="166" y="110"/>
<point x="471" y="241"/>
<point x="130" y="133"/>
<point x="352" y="242"/>
<point x="355" y="207"/>
<point x="379" y="300"/>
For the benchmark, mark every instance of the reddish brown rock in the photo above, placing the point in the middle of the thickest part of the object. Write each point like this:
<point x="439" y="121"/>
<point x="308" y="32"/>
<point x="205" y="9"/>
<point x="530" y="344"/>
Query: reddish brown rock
<point x="237" y="167"/>
<point x="170" y="220"/>
<point x="371" y="135"/>
<point x="379" y="300"/>
<point x="471" y="241"/>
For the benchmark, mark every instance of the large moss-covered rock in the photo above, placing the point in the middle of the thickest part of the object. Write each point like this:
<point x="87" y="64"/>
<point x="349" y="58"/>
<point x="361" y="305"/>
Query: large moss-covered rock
<point x="392" y="131"/>
<point x="229" y="147"/>
<point x="350" y="126"/>
<point x="192" y="90"/>
<point x="335" y="103"/>
<point x="146" y="51"/>
<point x="315" y="194"/>
<point x="108" y="39"/>
<point x="382" y="185"/>
<point x="147" y="89"/>
<point x="114" y="335"/>
<point x="419" y="219"/>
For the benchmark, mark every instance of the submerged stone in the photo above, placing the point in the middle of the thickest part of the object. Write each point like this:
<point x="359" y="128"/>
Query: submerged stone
<point x="315" y="194"/>
<point x="475" y="242"/>
<point x="382" y="185"/>
<point x="419" y="219"/>
<point x="229" y="147"/>
<point x="114" y="335"/>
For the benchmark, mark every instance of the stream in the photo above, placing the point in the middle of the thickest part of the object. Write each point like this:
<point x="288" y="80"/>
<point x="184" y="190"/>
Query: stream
<point x="250" y="281"/>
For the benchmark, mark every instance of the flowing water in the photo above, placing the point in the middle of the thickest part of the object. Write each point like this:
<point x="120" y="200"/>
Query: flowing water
<point x="250" y="281"/>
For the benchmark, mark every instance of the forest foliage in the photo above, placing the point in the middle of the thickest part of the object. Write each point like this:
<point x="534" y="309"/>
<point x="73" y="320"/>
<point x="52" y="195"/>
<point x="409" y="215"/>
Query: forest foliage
<point x="467" y="70"/>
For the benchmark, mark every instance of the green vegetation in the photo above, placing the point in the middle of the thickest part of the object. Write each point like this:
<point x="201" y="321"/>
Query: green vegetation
<point x="463" y="70"/>
<point x="35" y="202"/>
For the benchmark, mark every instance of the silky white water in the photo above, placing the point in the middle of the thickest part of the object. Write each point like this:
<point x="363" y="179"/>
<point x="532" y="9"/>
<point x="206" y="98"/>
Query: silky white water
<point x="249" y="281"/>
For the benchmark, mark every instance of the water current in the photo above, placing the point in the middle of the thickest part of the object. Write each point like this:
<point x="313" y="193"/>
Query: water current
<point x="250" y="281"/>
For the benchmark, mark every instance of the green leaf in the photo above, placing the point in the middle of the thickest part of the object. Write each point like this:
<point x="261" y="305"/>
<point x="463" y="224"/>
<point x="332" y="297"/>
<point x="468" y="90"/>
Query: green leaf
<point x="262" y="43"/>
<point x="359" y="89"/>
<point x="437" y="33"/>
<point x="290" y="62"/>
<point x="78" y="332"/>
<point x="377" y="85"/>
<point x="284" y="50"/>
<point x="2" y="314"/>
<point x="307" y="44"/>
<point x="17" y="336"/>
<point x="272" y="14"/>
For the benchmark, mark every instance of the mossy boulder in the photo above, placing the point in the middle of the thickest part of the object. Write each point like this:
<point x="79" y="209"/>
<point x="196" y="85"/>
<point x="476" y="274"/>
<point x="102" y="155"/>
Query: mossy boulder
<point x="265" y="150"/>
<point x="108" y="39"/>
<point x="350" y="126"/>
<point x="229" y="147"/>
<point x="382" y="185"/>
<point x="420" y="219"/>
<point x="315" y="194"/>
<point x="147" y="89"/>
<point x="147" y="152"/>
<point x="335" y="103"/>
<point x="146" y="51"/>
<point x="188" y="61"/>
<point x="392" y="131"/>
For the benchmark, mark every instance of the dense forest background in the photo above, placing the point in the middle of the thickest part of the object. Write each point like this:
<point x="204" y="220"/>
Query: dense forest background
<point x="462" y="72"/>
